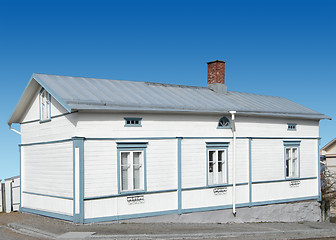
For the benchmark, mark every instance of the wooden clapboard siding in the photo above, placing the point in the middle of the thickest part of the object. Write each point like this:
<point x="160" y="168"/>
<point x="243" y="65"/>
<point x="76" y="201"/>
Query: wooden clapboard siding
<point x="100" y="168"/>
<point x="48" y="169"/>
<point x="161" y="165"/>
<point x="47" y="204"/>
<point x="283" y="190"/>
<point x="275" y="127"/>
<point x="119" y="206"/>
<point x="308" y="158"/>
<point x="33" y="111"/>
<point x="57" y="129"/>
<point x="194" y="161"/>
<point x="267" y="159"/>
<point x="189" y="125"/>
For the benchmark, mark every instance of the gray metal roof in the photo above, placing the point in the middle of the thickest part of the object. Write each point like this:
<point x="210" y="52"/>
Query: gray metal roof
<point x="78" y="93"/>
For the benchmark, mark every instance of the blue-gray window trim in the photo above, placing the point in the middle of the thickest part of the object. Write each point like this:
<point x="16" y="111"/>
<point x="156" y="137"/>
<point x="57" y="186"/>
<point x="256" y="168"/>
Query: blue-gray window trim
<point x="291" y="126"/>
<point x="40" y="113"/>
<point x="128" y="121"/>
<point x="217" y="146"/>
<point x="222" y="126"/>
<point x="292" y="144"/>
<point x="131" y="146"/>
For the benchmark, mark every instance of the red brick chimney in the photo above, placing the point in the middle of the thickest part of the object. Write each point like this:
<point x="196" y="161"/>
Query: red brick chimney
<point x="216" y="72"/>
<point x="216" y="76"/>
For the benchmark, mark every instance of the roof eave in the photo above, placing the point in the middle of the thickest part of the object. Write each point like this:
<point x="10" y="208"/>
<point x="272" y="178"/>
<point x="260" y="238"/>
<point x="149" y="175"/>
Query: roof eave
<point x="171" y="110"/>
<point x="329" y="144"/>
<point x="27" y="94"/>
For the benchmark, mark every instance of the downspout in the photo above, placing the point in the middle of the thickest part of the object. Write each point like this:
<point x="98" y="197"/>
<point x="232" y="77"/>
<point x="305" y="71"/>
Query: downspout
<point x="233" y="162"/>
<point x="10" y="127"/>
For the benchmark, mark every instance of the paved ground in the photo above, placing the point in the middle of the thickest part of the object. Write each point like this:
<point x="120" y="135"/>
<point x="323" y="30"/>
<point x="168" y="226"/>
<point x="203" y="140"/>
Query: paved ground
<point x="7" y="234"/>
<point x="38" y="227"/>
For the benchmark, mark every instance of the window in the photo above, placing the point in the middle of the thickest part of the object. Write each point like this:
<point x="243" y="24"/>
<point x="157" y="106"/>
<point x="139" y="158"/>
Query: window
<point x="224" y="123"/>
<point x="292" y="159"/>
<point x="217" y="163"/>
<point x="291" y="127"/>
<point x="133" y="122"/>
<point x="132" y="167"/>
<point x="45" y="109"/>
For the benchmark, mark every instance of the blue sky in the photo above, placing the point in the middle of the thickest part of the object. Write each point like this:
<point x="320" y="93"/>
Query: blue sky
<point x="280" y="48"/>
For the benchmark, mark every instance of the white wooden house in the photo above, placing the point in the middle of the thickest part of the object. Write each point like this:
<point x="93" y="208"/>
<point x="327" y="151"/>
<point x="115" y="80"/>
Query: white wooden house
<point x="109" y="149"/>
<point x="328" y="152"/>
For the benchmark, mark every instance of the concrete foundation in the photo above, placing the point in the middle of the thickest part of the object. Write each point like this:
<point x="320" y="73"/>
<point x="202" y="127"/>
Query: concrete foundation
<point x="286" y="212"/>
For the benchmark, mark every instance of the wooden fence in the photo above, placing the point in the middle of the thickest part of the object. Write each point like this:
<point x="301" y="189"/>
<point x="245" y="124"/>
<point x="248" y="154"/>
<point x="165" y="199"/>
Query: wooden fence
<point x="10" y="194"/>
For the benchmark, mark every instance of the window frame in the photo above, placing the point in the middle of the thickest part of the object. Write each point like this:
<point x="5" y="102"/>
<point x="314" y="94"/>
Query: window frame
<point x="132" y="147"/>
<point x="291" y="126"/>
<point x="132" y="119"/>
<point x="224" y="127"/>
<point x="217" y="146"/>
<point x="48" y="101"/>
<point x="291" y="145"/>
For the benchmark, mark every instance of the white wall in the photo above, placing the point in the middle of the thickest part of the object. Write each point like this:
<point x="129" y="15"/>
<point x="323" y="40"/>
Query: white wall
<point x="47" y="169"/>
<point x="48" y="204"/>
<point x="119" y="206"/>
<point x="309" y="158"/>
<point x="16" y="193"/>
<point x="194" y="161"/>
<point x="100" y="166"/>
<point x="275" y="127"/>
<point x="207" y="197"/>
<point x="283" y="190"/>
<point x="33" y="111"/>
<point x="8" y="195"/>
<point x="100" y="171"/>
<point x="161" y="165"/>
<point x="268" y="161"/>
<point x="100" y="160"/>
<point x="188" y="125"/>
<point x="331" y="165"/>
<point x="57" y="129"/>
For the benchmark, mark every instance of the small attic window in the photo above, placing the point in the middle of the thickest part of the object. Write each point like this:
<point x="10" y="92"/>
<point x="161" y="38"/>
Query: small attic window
<point x="291" y="126"/>
<point x="133" y="122"/>
<point x="224" y="122"/>
<point x="45" y="109"/>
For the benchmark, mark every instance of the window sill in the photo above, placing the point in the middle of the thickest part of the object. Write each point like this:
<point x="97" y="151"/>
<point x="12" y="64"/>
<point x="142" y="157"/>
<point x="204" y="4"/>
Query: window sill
<point x="130" y="193"/>
<point x="219" y="185"/>
<point x="292" y="178"/>
<point x="44" y="121"/>
<point x="132" y="125"/>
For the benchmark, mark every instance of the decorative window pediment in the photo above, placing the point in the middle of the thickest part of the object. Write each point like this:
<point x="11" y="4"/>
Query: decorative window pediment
<point x="224" y="123"/>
